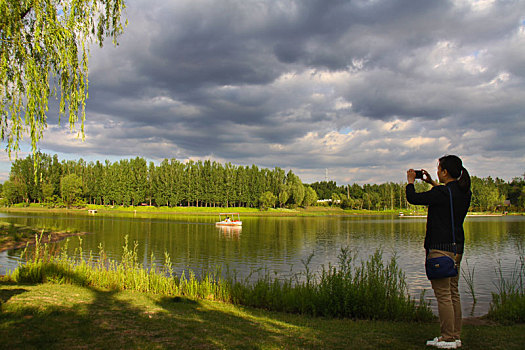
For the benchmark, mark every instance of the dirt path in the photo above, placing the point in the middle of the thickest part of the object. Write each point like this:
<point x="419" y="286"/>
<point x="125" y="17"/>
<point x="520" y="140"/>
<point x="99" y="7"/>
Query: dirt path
<point x="477" y="321"/>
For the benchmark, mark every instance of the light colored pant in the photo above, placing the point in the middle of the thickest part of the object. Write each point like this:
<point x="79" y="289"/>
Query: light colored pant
<point x="449" y="304"/>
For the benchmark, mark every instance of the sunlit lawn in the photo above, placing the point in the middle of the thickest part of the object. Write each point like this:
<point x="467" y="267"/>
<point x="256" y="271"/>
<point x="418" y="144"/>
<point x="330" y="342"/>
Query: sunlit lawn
<point x="73" y="317"/>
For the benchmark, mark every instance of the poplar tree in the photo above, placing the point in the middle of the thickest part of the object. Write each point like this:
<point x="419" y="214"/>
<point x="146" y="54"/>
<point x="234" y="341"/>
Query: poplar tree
<point x="70" y="188"/>
<point x="44" y="49"/>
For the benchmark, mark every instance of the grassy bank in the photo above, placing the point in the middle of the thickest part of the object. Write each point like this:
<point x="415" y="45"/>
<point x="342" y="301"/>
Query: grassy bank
<point x="372" y="290"/>
<point x="54" y="301"/>
<point x="14" y="236"/>
<point x="508" y="304"/>
<point x="309" y="211"/>
<point x="53" y="316"/>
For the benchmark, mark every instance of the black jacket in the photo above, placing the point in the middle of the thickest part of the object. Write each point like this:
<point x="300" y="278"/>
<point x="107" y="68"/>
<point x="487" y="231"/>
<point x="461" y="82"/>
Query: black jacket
<point x="439" y="224"/>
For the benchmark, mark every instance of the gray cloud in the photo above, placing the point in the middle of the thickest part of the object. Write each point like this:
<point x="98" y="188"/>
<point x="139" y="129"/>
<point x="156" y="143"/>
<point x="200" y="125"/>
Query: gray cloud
<point x="363" y="88"/>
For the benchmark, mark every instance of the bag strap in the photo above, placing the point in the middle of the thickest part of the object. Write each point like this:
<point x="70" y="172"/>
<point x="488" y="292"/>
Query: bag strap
<point x="452" y="219"/>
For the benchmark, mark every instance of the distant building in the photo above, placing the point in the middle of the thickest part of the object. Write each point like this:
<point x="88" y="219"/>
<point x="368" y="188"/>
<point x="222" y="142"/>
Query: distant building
<point x="328" y="201"/>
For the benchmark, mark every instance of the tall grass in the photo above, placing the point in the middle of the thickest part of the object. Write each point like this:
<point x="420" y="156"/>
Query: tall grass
<point x="468" y="277"/>
<point x="369" y="290"/>
<point x="508" y="304"/>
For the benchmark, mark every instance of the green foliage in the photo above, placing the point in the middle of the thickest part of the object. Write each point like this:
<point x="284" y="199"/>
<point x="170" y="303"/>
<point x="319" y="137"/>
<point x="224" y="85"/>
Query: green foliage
<point x="70" y="188"/>
<point x="508" y="304"/>
<point x="54" y="202"/>
<point x="310" y="197"/>
<point x="372" y="290"/>
<point x="47" y="190"/>
<point x="295" y="188"/>
<point x="46" y="264"/>
<point x="386" y="196"/>
<point x="485" y="194"/>
<point x="336" y="200"/>
<point x="283" y="197"/>
<point x="488" y="195"/>
<point x="324" y="189"/>
<point x="347" y="203"/>
<point x="47" y="42"/>
<point x="133" y="183"/>
<point x="468" y="277"/>
<point x="267" y="200"/>
<point x="210" y="184"/>
<point x="13" y="192"/>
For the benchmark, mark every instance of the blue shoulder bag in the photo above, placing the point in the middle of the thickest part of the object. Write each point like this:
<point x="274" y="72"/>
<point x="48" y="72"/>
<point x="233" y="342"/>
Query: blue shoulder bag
<point x="443" y="266"/>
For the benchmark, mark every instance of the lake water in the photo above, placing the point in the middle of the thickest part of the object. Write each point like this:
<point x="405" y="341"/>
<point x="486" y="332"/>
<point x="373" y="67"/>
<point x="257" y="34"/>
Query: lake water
<point x="282" y="244"/>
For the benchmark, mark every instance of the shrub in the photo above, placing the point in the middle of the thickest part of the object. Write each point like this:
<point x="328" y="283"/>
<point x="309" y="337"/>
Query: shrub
<point x="508" y="304"/>
<point x="371" y="290"/>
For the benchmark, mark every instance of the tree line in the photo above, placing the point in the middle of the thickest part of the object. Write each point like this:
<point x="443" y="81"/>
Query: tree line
<point x="137" y="182"/>
<point x="211" y="184"/>
<point x="488" y="194"/>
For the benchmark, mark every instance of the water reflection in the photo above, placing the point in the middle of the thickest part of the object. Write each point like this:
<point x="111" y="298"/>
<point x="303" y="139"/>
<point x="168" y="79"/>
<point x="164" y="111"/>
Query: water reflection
<point x="281" y="245"/>
<point x="232" y="232"/>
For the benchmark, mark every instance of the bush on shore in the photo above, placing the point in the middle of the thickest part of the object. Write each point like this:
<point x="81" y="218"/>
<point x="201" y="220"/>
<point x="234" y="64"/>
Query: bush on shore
<point x="371" y="290"/>
<point x="508" y="305"/>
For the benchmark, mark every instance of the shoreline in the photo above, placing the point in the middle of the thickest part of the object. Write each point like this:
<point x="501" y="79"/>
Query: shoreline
<point x="46" y="237"/>
<point x="209" y="211"/>
<point x="205" y="211"/>
<point x="473" y="320"/>
<point x="12" y="240"/>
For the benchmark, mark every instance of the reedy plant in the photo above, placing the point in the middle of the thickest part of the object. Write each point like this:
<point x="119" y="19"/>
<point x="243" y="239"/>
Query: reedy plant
<point x="468" y="277"/>
<point x="508" y="304"/>
<point x="372" y="290"/>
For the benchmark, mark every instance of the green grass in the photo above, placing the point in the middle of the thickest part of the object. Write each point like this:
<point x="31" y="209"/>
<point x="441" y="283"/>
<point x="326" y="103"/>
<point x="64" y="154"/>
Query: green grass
<point x="272" y="212"/>
<point x="372" y="290"/>
<point x="54" y="316"/>
<point x="299" y="211"/>
<point x="54" y="301"/>
<point x="17" y="236"/>
<point x="275" y="212"/>
<point x="508" y="304"/>
<point x="148" y="209"/>
<point x="14" y="233"/>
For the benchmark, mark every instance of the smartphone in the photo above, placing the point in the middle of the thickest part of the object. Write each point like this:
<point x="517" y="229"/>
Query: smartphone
<point x="419" y="174"/>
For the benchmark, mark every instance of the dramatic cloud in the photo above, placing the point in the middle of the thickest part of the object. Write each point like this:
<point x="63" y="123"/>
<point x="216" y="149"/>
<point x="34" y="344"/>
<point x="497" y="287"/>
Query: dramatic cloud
<point x="364" y="89"/>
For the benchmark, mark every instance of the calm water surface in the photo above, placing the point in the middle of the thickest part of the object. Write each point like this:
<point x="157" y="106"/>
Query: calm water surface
<point x="281" y="245"/>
